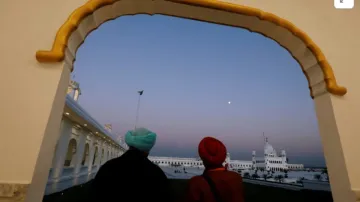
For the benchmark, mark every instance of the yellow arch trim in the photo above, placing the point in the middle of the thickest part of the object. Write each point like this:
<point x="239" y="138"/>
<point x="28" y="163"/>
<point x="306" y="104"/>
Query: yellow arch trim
<point x="57" y="52"/>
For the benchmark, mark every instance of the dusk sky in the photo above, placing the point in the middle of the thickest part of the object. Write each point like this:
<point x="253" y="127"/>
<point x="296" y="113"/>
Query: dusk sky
<point x="189" y="70"/>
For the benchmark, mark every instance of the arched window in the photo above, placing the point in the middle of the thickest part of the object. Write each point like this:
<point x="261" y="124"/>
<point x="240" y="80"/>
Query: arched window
<point x="95" y="156"/>
<point x="69" y="160"/>
<point x="85" y="159"/>
<point x="102" y="159"/>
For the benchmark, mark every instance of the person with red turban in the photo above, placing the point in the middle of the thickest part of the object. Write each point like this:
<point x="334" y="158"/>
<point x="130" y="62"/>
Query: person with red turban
<point x="216" y="184"/>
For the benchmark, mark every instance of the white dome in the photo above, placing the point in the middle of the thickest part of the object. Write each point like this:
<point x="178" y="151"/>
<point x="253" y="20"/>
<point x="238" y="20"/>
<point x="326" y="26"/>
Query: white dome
<point x="268" y="149"/>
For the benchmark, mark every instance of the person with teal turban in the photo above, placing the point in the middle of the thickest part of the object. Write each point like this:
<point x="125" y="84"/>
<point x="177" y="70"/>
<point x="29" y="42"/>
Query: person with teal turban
<point x="132" y="176"/>
<point x="141" y="139"/>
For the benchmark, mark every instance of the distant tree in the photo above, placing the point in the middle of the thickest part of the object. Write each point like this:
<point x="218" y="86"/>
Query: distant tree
<point x="255" y="176"/>
<point x="246" y="175"/>
<point x="265" y="176"/>
<point x="300" y="180"/>
<point x="279" y="178"/>
<point x="318" y="177"/>
<point x="324" y="171"/>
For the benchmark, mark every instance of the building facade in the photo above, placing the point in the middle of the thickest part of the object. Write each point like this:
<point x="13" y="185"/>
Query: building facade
<point x="271" y="161"/>
<point x="83" y="145"/>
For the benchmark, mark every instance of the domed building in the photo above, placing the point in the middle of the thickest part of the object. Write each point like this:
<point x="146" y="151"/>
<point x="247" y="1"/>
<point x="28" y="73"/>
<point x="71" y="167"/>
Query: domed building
<point x="270" y="161"/>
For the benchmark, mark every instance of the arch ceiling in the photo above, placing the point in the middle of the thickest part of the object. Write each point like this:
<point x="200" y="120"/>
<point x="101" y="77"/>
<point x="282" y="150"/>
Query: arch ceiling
<point x="92" y="14"/>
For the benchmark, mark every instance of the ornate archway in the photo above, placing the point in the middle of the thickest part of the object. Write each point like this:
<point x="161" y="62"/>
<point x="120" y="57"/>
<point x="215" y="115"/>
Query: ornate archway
<point x="94" y="13"/>
<point x="21" y="37"/>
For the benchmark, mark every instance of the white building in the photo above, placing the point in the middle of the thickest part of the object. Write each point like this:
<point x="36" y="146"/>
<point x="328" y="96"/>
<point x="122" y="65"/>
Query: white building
<point x="270" y="161"/>
<point x="176" y="161"/>
<point x="83" y="146"/>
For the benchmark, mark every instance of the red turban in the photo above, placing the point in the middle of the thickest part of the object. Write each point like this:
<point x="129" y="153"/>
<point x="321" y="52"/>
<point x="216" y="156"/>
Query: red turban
<point x="212" y="151"/>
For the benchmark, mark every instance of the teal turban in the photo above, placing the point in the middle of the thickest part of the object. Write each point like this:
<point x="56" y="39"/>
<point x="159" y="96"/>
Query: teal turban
<point x="141" y="138"/>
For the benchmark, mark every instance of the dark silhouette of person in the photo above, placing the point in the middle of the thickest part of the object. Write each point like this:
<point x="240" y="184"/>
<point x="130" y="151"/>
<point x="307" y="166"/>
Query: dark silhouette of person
<point x="217" y="184"/>
<point x="132" y="176"/>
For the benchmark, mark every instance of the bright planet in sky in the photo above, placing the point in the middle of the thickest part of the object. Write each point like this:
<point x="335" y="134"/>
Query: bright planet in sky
<point x="229" y="102"/>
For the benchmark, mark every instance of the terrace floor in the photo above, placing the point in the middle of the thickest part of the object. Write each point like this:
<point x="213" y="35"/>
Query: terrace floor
<point x="253" y="193"/>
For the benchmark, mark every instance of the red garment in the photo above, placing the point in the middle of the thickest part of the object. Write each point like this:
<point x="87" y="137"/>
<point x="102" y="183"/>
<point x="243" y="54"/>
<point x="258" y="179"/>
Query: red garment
<point x="212" y="151"/>
<point x="228" y="184"/>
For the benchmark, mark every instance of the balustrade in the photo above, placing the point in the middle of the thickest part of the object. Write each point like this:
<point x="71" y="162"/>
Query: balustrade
<point x="83" y="169"/>
<point x="68" y="171"/>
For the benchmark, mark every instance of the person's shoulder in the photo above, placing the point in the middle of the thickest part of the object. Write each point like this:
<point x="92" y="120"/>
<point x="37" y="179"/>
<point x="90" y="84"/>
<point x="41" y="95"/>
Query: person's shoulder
<point x="234" y="175"/>
<point x="153" y="166"/>
<point x="233" y="172"/>
<point x="111" y="162"/>
<point x="196" y="179"/>
<point x="109" y="165"/>
<point x="196" y="182"/>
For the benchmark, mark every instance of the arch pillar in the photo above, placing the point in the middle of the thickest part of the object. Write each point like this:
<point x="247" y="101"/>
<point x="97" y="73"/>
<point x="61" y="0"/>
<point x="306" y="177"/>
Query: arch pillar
<point x="107" y="153"/>
<point x="36" y="91"/>
<point x="42" y="95"/>
<point x="61" y="149"/>
<point x="339" y="131"/>
<point x="91" y="155"/>
<point x="104" y="156"/>
<point x="79" y="154"/>
<point x="99" y="158"/>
